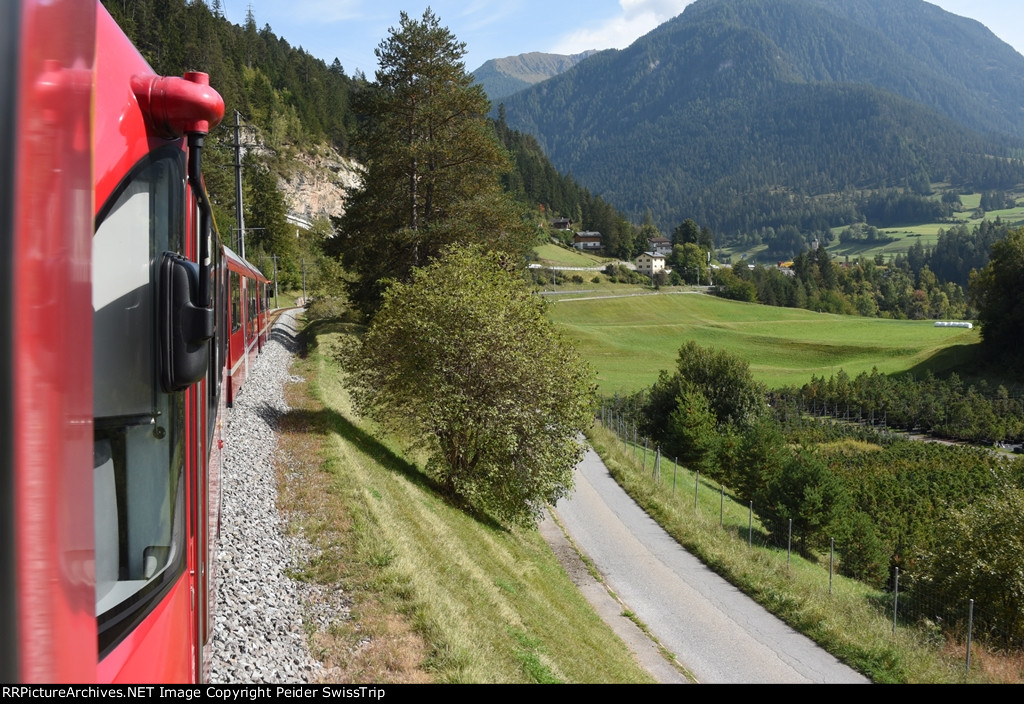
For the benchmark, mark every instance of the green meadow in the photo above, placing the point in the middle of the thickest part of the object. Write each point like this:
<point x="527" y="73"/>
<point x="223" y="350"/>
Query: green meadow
<point x="902" y="237"/>
<point x="553" y="255"/>
<point x="629" y="340"/>
<point x="927" y="234"/>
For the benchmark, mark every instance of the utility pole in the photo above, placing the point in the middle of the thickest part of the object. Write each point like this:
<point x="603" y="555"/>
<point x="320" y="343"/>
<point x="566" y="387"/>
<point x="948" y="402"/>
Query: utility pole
<point x="239" y="217"/>
<point x="276" y="304"/>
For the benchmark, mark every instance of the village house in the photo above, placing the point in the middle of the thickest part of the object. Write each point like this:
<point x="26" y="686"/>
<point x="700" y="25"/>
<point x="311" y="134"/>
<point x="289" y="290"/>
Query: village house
<point x="587" y="240"/>
<point x="650" y="263"/>
<point x="661" y="245"/>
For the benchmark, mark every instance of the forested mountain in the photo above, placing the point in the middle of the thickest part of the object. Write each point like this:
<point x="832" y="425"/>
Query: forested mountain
<point x="536" y="183"/>
<point x="501" y="78"/>
<point x="290" y="102"/>
<point x="293" y="96"/>
<point x="744" y="114"/>
<point x="296" y="101"/>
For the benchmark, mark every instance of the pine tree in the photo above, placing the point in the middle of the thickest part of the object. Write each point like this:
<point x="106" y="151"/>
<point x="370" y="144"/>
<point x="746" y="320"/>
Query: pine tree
<point x="432" y="164"/>
<point x="266" y="214"/>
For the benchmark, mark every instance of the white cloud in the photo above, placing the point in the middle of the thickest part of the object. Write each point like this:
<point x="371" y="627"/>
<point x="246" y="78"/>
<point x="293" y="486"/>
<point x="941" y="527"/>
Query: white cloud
<point x="635" y="19"/>
<point x="480" y="14"/>
<point x="662" y="9"/>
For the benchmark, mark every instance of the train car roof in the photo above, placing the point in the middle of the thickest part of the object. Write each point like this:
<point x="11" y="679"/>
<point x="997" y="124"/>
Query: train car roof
<point x="237" y="264"/>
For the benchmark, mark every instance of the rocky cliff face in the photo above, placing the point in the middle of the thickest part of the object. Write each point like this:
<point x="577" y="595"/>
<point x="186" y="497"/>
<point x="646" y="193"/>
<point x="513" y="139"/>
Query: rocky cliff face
<point x="316" y="187"/>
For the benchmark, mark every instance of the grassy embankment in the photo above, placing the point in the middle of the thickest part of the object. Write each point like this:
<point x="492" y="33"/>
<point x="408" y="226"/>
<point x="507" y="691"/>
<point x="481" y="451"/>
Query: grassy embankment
<point x="629" y="340"/>
<point x="849" y="619"/>
<point x="437" y="595"/>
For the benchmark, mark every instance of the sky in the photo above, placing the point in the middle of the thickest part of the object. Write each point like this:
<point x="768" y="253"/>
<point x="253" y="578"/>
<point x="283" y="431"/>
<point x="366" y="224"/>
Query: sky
<point x="350" y="30"/>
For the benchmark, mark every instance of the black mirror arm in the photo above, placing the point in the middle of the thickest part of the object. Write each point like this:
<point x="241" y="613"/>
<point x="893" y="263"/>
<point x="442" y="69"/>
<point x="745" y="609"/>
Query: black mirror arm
<point x="195" y="179"/>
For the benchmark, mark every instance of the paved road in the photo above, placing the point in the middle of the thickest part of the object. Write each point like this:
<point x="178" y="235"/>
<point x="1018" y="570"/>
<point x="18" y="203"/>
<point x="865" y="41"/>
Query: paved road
<point x="719" y="634"/>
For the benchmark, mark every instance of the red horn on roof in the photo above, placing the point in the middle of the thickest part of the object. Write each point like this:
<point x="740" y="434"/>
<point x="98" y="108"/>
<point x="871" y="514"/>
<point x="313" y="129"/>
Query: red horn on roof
<point x="178" y="106"/>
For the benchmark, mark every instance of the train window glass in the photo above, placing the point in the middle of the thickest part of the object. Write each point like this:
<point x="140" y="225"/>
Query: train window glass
<point x="123" y="306"/>
<point x="213" y="376"/>
<point x="236" y="302"/>
<point x="139" y="430"/>
<point x="251" y="313"/>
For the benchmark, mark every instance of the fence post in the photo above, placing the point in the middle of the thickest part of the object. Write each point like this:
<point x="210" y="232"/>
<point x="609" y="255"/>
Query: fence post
<point x="831" y="561"/>
<point x="696" y="487"/>
<point x="970" y="634"/>
<point x="895" y="599"/>
<point x="789" y="545"/>
<point x="657" y="464"/>
<point x="644" y="465"/>
<point x="721" y="510"/>
<point x="750" y="526"/>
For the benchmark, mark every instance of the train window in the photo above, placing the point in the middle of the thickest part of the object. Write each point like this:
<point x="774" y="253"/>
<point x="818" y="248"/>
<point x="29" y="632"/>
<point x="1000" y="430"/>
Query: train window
<point x="138" y="474"/>
<point x="213" y="378"/>
<point x="251" y="314"/>
<point x="236" y="302"/>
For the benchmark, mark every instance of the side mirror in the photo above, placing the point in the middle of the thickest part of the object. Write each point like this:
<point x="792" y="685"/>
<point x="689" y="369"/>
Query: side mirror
<point x="185" y="327"/>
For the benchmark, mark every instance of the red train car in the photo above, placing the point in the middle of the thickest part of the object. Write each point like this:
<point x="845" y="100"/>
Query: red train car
<point x="248" y="323"/>
<point x="113" y="357"/>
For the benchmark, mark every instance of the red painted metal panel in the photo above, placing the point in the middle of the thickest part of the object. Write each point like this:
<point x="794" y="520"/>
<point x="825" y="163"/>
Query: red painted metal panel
<point x="159" y="649"/>
<point x="121" y="137"/>
<point x="52" y="393"/>
<point x="80" y="127"/>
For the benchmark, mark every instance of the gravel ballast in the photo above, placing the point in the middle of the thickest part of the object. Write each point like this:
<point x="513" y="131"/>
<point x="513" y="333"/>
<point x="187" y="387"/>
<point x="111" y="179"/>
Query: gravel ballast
<point x="259" y="632"/>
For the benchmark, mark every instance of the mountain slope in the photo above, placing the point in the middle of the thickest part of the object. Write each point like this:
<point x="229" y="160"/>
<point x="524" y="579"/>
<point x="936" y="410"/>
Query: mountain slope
<point x="746" y="113"/>
<point x="503" y="77"/>
<point x="912" y="48"/>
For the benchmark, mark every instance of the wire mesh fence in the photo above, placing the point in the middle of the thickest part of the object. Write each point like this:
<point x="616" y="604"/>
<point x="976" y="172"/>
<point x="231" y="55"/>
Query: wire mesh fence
<point x="906" y="600"/>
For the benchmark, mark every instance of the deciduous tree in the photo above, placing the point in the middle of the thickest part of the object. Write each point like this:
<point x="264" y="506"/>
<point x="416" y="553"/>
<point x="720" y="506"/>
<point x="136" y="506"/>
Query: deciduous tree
<point x="464" y="359"/>
<point x="997" y="293"/>
<point x="733" y="396"/>
<point x="980" y="558"/>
